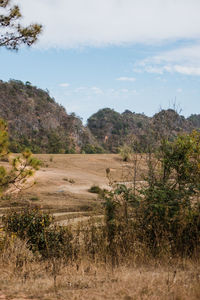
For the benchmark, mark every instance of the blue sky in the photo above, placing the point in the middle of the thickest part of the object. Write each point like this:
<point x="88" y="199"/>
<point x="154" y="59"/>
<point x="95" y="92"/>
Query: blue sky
<point x="137" y="55"/>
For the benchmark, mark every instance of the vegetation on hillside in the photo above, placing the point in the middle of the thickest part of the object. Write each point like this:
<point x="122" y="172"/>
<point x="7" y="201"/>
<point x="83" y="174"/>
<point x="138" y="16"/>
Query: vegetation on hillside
<point x="43" y="126"/>
<point x="113" y="130"/>
<point x="40" y="124"/>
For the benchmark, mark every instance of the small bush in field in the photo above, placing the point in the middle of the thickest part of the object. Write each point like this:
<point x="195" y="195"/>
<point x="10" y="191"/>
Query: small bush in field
<point x="95" y="189"/>
<point x="34" y="198"/>
<point x="125" y="152"/>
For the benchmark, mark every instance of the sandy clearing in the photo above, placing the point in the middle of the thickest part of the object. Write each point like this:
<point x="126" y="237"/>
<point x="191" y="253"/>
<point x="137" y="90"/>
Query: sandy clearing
<point x="64" y="179"/>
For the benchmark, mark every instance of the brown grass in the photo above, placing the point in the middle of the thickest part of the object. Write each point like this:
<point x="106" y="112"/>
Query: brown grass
<point x="55" y="194"/>
<point x="179" y="280"/>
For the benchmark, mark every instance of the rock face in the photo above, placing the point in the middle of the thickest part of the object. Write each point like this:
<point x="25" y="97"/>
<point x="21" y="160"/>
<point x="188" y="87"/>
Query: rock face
<point x="36" y="121"/>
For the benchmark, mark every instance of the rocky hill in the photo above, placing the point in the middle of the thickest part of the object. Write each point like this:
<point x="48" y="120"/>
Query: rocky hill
<point x="112" y="129"/>
<point x="36" y="121"/>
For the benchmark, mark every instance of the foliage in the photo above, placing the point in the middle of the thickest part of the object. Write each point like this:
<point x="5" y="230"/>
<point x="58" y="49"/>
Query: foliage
<point x="195" y="120"/>
<point x="22" y="166"/>
<point x="13" y="34"/>
<point x="91" y="149"/>
<point x="164" y="215"/>
<point x="168" y="212"/>
<point x="125" y="152"/>
<point x="33" y="225"/>
<point x="95" y="189"/>
<point x="112" y="129"/>
<point x="3" y="139"/>
<point x="41" y="125"/>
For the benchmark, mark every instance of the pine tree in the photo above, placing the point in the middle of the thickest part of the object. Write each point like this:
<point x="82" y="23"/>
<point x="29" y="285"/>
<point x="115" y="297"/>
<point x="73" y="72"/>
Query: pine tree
<point x="12" y="33"/>
<point x="22" y="167"/>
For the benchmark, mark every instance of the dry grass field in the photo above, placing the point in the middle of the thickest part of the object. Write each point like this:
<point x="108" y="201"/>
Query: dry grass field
<point x="62" y="188"/>
<point x="172" y="280"/>
<point x="63" y="181"/>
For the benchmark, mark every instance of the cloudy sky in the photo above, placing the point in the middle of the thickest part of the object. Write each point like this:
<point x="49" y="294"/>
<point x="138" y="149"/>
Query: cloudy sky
<point x="140" y="55"/>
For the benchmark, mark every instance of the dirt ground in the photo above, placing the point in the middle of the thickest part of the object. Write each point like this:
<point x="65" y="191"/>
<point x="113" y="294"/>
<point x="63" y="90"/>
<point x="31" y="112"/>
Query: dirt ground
<point x="63" y="181"/>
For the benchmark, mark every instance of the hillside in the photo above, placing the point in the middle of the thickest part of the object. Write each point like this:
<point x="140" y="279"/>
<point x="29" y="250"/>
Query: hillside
<point x="112" y="129"/>
<point x="36" y="121"/>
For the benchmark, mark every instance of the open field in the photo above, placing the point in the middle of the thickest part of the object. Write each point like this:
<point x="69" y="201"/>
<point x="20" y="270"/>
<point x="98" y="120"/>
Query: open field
<point x="95" y="282"/>
<point x="63" y="181"/>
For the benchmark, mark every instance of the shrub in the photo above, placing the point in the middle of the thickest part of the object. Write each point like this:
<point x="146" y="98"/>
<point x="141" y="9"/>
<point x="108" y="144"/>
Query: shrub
<point x="164" y="214"/>
<point x="33" y="226"/>
<point x="125" y="152"/>
<point x="92" y="149"/>
<point x="95" y="189"/>
<point x="27" y="224"/>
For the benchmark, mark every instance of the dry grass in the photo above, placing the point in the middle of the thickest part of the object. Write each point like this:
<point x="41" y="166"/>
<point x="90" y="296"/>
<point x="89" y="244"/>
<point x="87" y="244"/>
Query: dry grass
<point x="25" y="276"/>
<point x="84" y="170"/>
<point x="56" y="195"/>
<point x="180" y="281"/>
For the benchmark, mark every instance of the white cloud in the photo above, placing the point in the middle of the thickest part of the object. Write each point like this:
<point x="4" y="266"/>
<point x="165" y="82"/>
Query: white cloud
<point x="89" y="90"/>
<point x="96" y="90"/>
<point x="64" y="84"/>
<point x="124" y="90"/>
<point x="74" y="23"/>
<point x="179" y="90"/>
<point x="185" y="60"/>
<point x="80" y="89"/>
<point x="126" y="79"/>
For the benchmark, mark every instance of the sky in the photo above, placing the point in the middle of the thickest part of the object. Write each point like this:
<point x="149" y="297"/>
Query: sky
<point x="141" y="55"/>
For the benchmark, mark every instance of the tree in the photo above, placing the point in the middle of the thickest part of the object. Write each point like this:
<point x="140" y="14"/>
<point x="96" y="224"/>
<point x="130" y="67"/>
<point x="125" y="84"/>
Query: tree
<point x="22" y="166"/>
<point x="12" y="33"/>
<point x="3" y="139"/>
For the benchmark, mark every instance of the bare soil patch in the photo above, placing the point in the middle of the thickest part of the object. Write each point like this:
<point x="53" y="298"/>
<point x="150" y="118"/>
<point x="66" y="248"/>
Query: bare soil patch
<point x="64" y="179"/>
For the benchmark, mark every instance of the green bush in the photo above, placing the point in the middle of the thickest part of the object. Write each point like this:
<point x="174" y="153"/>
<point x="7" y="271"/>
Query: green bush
<point x="95" y="189"/>
<point x="164" y="213"/>
<point x="125" y="152"/>
<point x="33" y="226"/>
<point x="56" y="242"/>
<point x="92" y="149"/>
